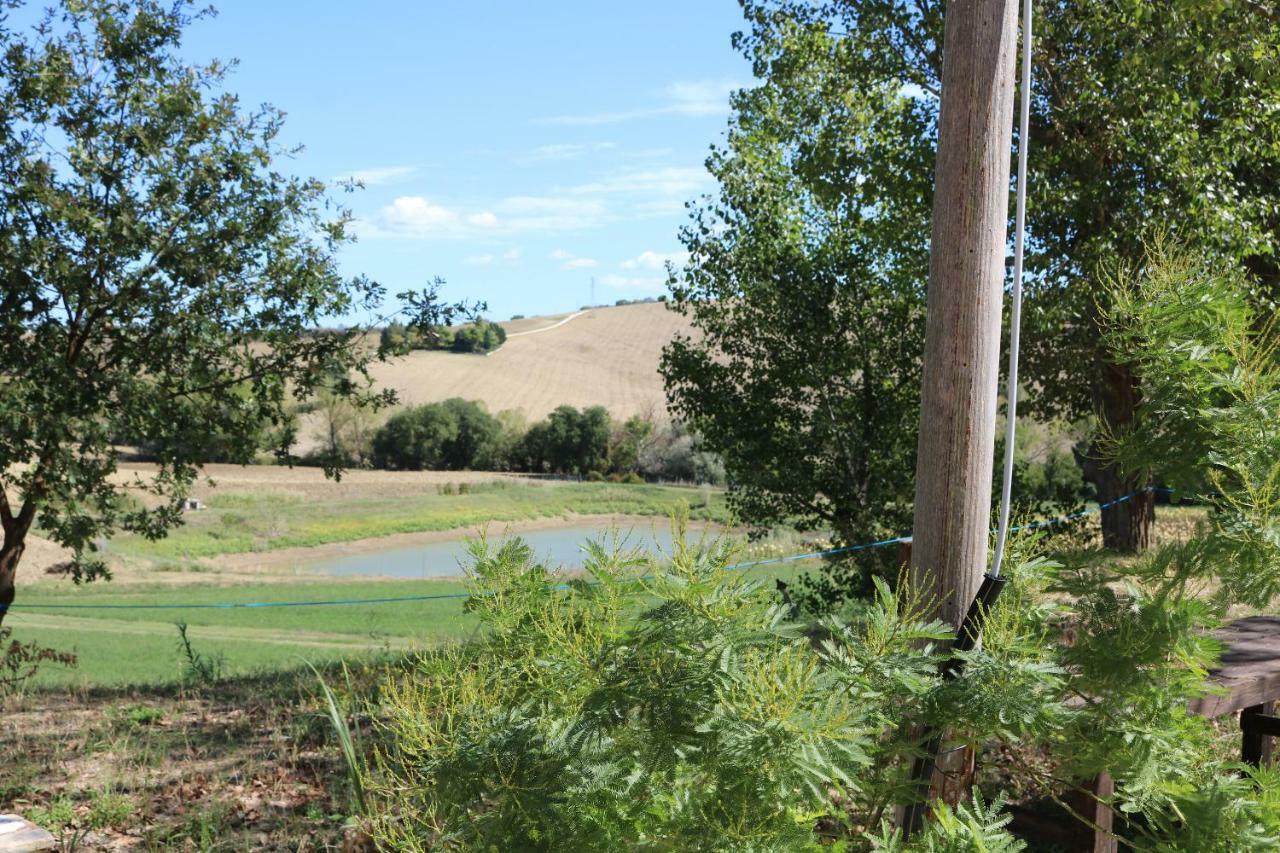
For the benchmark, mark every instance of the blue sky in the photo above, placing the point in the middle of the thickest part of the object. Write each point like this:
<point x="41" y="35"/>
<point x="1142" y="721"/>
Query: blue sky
<point x="515" y="148"/>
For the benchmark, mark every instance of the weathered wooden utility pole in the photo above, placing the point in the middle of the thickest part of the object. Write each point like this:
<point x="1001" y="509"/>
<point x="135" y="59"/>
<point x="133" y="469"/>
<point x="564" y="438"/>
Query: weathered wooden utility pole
<point x="962" y="330"/>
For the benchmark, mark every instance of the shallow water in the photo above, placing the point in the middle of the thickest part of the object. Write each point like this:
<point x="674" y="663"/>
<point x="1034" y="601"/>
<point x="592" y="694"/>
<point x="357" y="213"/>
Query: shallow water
<point x="561" y="546"/>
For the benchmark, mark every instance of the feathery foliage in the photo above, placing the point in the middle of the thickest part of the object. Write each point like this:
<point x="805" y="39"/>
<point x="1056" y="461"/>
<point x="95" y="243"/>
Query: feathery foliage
<point x="677" y="705"/>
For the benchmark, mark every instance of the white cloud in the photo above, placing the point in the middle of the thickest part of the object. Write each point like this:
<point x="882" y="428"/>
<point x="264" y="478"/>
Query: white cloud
<point x="485" y="219"/>
<point x="660" y="208"/>
<point x="689" y="98"/>
<point x="478" y="260"/>
<point x="680" y="181"/>
<point x="701" y="98"/>
<point x="568" y="150"/>
<point x="649" y="260"/>
<point x="623" y="282"/>
<point x="512" y="254"/>
<point x="550" y="213"/>
<point x="570" y="261"/>
<point x="417" y="217"/>
<point x="414" y="216"/>
<point x="373" y="177"/>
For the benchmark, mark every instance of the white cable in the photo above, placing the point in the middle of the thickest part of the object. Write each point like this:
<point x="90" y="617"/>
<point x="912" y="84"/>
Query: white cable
<point x="1015" y="312"/>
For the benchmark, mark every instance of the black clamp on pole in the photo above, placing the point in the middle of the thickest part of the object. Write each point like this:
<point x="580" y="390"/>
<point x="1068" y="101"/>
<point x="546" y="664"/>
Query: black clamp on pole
<point x="966" y="640"/>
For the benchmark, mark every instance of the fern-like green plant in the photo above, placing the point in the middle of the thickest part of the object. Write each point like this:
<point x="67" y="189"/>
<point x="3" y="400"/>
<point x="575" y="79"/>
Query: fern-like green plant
<point x="677" y="705"/>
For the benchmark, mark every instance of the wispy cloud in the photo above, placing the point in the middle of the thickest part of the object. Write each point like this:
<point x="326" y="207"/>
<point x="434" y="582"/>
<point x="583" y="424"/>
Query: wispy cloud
<point x="417" y="217"/>
<point x="373" y="177"/>
<point x="570" y="261"/>
<point x="698" y="98"/>
<point x="549" y="213"/>
<point x="568" y="150"/>
<point x="478" y="260"/>
<point x="649" y="260"/>
<point x="680" y="181"/>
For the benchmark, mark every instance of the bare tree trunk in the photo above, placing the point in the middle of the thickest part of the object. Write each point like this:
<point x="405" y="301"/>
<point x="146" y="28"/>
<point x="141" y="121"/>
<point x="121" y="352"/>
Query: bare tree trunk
<point x="962" y="332"/>
<point x="1126" y="527"/>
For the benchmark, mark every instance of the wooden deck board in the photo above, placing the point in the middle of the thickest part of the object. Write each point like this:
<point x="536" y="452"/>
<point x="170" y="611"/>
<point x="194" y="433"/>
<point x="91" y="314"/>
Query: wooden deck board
<point x="1250" y="667"/>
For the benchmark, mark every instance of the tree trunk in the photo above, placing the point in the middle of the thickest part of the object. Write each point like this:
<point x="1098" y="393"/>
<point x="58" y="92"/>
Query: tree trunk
<point x="10" y="556"/>
<point x="962" y="327"/>
<point x="1126" y="527"/>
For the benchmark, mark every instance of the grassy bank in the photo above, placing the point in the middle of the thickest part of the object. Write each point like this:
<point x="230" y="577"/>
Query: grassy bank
<point x="266" y="520"/>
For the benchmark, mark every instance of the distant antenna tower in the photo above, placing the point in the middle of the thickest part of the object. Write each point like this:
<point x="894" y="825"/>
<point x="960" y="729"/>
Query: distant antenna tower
<point x="593" y="291"/>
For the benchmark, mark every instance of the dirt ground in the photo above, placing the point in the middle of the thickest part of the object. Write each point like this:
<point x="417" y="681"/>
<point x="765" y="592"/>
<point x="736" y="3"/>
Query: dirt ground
<point x="249" y="764"/>
<point x="311" y="483"/>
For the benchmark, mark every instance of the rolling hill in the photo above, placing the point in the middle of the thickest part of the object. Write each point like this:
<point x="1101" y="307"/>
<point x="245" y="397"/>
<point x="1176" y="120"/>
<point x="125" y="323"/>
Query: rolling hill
<point x="600" y="356"/>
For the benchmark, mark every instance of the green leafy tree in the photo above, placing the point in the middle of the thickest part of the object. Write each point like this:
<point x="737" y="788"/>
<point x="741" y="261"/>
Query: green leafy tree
<point x="451" y="435"/>
<point x="1145" y="116"/>
<point x="568" y="441"/>
<point x="474" y="443"/>
<point x="805" y="286"/>
<point x="162" y="277"/>
<point x="482" y="336"/>
<point x="625" y="441"/>
<point x="343" y="429"/>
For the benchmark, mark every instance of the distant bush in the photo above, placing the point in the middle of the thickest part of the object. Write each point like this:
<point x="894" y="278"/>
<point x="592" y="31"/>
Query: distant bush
<point x="675" y="453"/>
<point x="1048" y="479"/>
<point x="479" y="337"/>
<point x="453" y="435"/>
<point x="515" y="317"/>
<point x="569" y="441"/>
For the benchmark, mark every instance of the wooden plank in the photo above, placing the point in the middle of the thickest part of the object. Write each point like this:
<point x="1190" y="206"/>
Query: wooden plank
<point x="1249" y="673"/>
<point x="1103" y="788"/>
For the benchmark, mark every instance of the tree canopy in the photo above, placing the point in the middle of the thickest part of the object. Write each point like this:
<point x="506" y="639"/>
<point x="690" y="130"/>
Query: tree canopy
<point x="1145" y="118"/>
<point x="163" y="276"/>
<point x="806" y="285"/>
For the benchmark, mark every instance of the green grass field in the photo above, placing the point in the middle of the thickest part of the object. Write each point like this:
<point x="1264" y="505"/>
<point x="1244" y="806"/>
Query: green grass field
<point x="237" y="523"/>
<point x="140" y="646"/>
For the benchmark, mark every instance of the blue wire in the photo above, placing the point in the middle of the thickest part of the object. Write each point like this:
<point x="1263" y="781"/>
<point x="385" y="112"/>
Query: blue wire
<point x="254" y="605"/>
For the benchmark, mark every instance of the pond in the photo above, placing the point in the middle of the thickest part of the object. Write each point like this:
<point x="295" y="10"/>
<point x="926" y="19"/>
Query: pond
<point x="559" y="547"/>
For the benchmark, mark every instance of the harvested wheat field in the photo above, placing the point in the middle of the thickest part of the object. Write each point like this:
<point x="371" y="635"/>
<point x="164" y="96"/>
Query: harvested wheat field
<point x="602" y="356"/>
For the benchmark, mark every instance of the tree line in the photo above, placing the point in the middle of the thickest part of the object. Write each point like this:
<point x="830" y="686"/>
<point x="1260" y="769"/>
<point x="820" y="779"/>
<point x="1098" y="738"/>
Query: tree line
<point x="480" y="336"/>
<point x="458" y="434"/>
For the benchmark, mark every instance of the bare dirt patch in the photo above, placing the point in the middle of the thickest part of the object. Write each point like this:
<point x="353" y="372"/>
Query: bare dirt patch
<point x="242" y="765"/>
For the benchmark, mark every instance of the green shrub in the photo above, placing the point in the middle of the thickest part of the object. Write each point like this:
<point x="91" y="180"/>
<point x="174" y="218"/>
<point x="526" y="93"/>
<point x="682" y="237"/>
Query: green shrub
<point x="677" y="706"/>
<point x="144" y="715"/>
<point x="568" y="441"/>
<point x="452" y="435"/>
